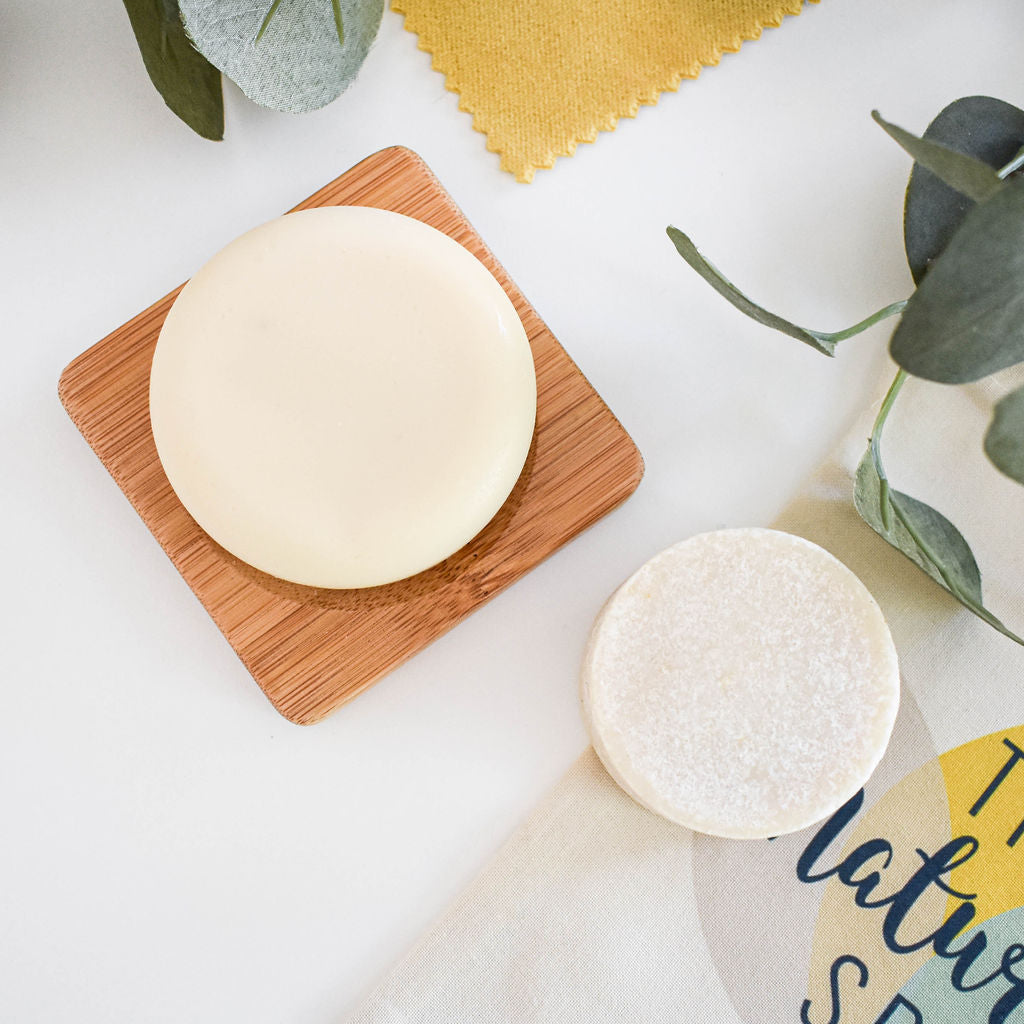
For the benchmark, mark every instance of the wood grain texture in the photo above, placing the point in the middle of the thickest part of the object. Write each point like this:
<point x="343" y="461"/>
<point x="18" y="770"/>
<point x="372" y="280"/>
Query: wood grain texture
<point x="312" y="650"/>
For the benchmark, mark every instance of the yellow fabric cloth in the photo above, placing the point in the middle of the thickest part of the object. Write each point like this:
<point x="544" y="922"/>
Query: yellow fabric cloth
<point x="541" y="76"/>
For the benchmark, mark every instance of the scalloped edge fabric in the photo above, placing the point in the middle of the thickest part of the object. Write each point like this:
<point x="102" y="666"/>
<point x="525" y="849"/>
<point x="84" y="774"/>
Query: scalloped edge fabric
<point x="541" y="76"/>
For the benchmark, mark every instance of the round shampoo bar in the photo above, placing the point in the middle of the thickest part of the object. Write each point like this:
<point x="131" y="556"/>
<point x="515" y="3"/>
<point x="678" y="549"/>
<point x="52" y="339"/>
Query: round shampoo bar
<point x="742" y="683"/>
<point x="343" y="397"/>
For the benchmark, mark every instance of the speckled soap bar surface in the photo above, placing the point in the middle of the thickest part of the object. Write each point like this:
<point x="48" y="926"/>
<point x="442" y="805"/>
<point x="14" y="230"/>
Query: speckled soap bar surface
<point x="742" y="683"/>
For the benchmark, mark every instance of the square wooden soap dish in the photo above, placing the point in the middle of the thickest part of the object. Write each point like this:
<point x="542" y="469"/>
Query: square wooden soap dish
<point x="312" y="650"/>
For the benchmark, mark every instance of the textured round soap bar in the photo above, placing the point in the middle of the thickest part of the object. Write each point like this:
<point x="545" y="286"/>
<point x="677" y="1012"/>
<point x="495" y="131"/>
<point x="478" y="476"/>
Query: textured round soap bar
<point x="343" y="397"/>
<point x="742" y="683"/>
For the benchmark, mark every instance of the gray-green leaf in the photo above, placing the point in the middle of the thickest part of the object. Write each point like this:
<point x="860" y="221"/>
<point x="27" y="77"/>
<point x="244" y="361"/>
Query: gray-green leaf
<point x="188" y="83"/>
<point x="966" y="319"/>
<point x="299" y="63"/>
<point x="980" y="126"/>
<point x="926" y="537"/>
<point x="1004" y="439"/>
<point x="974" y="179"/>
<point x="725" y="288"/>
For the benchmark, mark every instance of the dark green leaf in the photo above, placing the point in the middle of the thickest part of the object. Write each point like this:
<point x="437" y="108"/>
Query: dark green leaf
<point x="188" y="83"/>
<point x="974" y="179"/>
<point x="689" y="252"/>
<point x="989" y="130"/>
<point x="308" y="52"/>
<point x="925" y="536"/>
<point x="1004" y="439"/>
<point x="966" y="319"/>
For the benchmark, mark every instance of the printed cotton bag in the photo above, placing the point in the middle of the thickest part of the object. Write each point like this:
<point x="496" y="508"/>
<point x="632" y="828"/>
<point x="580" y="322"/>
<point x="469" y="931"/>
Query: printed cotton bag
<point x="905" y="907"/>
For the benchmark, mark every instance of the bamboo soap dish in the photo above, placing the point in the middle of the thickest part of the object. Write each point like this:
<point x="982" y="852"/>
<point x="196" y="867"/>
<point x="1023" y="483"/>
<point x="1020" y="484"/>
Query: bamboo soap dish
<point x="309" y="649"/>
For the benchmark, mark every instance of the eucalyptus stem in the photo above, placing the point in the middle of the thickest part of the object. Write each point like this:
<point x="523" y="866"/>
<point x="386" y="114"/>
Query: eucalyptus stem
<point x="891" y="310"/>
<point x="266" y="21"/>
<point x="339" y="25"/>
<point x="1014" y="165"/>
<point x="885" y="505"/>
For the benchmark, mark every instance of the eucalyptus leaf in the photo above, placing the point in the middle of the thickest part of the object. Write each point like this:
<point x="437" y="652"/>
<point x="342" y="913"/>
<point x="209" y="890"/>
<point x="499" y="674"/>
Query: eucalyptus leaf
<point x="925" y="536"/>
<point x="974" y="179"/>
<point x="1004" y="439"/>
<point x="299" y="63"/>
<point x="982" y="127"/>
<point x="948" y="546"/>
<point x="686" y="249"/>
<point x="189" y="84"/>
<point x="964" y="226"/>
<point x="966" y="319"/>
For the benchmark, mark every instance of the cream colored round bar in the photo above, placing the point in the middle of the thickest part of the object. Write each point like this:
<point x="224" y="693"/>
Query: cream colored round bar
<point x="742" y="683"/>
<point x="343" y="397"/>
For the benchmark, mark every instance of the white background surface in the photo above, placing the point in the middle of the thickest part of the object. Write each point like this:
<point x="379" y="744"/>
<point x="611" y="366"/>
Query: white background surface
<point x="171" y="849"/>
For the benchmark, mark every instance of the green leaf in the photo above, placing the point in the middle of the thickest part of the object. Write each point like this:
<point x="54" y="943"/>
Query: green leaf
<point x="188" y="83"/>
<point x="974" y="179"/>
<point x="823" y="341"/>
<point x="966" y="319"/>
<point x="686" y="249"/>
<point x="924" y="535"/>
<point x="948" y="546"/>
<point x="1004" y="439"/>
<point x="300" y="62"/>
<point x="982" y="127"/>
